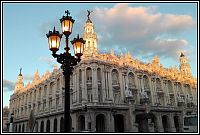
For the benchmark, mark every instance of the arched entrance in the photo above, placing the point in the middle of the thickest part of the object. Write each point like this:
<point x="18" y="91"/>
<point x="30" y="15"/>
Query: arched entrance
<point x="176" y="123"/>
<point x="19" y="128"/>
<point x="16" y="128"/>
<point x="81" y="123"/>
<point x="146" y="122"/>
<point x="165" y="122"/>
<point x="36" y="127"/>
<point x="62" y="125"/>
<point x="100" y="123"/>
<point x="55" y="125"/>
<point x="42" y="126"/>
<point x="23" y="128"/>
<point x="119" y="123"/>
<point x="48" y="126"/>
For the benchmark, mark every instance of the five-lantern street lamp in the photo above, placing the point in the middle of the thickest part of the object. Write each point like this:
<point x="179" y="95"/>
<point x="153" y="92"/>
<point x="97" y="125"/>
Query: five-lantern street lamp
<point x="66" y="60"/>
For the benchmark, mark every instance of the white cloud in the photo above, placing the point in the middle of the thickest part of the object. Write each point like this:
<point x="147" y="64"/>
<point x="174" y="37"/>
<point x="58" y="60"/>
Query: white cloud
<point x="8" y="85"/>
<point x="136" y="29"/>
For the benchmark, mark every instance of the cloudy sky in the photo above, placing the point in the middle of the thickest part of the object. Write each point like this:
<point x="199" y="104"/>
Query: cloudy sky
<point x="144" y="29"/>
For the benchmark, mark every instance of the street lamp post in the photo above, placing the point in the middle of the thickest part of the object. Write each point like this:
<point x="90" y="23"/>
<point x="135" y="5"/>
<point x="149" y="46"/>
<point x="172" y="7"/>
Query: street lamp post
<point x="66" y="60"/>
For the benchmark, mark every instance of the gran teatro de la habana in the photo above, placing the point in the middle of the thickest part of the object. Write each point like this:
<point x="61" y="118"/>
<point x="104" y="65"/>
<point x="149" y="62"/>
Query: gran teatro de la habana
<point x="108" y="93"/>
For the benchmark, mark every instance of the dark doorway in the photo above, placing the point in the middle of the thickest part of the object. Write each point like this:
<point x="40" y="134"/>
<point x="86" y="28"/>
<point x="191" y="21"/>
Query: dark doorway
<point x="81" y="123"/>
<point x="165" y="123"/>
<point x="42" y="127"/>
<point x="62" y="125"/>
<point x="48" y="126"/>
<point x="119" y="123"/>
<point x="19" y="128"/>
<point x="23" y="128"/>
<point x="176" y="123"/>
<point x="142" y="121"/>
<point x="100" y="123"/>
<point x="55" y="125"/>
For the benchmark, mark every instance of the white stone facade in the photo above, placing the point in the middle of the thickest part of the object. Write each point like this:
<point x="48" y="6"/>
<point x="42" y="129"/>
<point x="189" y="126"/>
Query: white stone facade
<point x="119" y="97"/>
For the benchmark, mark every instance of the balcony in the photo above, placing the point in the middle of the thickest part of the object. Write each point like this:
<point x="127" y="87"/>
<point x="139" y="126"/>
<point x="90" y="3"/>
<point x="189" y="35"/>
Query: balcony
<point x="99" y="82"/>
<point x="146" y="89"/>
<point x="89" y="82"/>
<point x="159" y="91"/>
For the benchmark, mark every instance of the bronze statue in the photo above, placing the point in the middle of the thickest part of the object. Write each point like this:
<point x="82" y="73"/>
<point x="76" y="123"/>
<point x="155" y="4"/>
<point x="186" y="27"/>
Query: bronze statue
<point x="89" y="14"/>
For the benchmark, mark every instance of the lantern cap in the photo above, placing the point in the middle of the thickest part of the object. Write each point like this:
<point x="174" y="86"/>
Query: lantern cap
<point x="67" y="17"/>
<point x="78" y="40"/>
<point x="54" y="33"/>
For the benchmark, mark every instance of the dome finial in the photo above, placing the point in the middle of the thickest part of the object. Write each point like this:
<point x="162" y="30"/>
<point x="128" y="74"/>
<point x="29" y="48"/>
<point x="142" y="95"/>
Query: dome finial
<point x="88" y="15"/>
<point x="182" y="55"/>
<point x="20" y="72"/>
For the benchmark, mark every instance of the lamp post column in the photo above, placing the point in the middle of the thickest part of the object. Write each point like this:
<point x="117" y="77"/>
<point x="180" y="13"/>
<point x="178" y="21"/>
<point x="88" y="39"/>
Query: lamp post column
<point x="67" y="103"/>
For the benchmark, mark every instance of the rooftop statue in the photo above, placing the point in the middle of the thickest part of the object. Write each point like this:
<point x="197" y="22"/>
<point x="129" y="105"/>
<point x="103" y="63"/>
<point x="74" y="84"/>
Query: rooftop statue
<point x="89" y="12"/>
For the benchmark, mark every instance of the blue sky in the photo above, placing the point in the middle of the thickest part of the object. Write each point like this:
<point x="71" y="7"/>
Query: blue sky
<point x="25" y="26"/>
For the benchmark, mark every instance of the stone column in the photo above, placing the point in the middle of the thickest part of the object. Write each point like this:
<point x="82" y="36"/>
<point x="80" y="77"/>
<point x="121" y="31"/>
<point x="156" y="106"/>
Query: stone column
<point x="74" y="122"/>
<point x="78" y="84"/>
<point x="94" y="85"/>
<point x="122" y="87"/>
<point x="58" y="124"/>
<point x="103" y="79"/>
<point x="84" y="87"/>
<point x="39" y="124"/>
<point x="93" y="122"/>
<point x="159" y="123"/>
<point x="51" y="119"/>
<point x="110" y="120"/>
<point x="152" y="91"/>
<point x="111" y="98"/>
<point x="171" y="123"/>
<point x="165" y="90"/>
<point x="139" y="77"/>
<point x="131" y="119"/>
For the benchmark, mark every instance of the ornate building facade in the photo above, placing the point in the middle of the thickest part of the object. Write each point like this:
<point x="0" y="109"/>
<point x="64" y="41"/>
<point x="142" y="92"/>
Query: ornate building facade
<point x="109" y="93"/>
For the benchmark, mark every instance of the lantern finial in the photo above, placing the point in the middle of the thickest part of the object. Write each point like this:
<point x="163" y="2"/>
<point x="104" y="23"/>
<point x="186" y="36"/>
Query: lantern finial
<point x="67" y="12"/>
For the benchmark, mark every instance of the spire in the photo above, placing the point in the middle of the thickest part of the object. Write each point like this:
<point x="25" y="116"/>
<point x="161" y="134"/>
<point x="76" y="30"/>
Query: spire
<point x="19" y="85"/>
<point x="184" y="65"/>
<point x="20" y="72"/>
<point x="88" y="20"/>
<point x="90" y="47"/>
<point x="36" y="76"/>
<point x="182" y="55"/>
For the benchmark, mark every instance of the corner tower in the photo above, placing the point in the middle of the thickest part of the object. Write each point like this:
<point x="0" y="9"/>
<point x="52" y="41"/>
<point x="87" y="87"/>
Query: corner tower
<point x="19" y="85"/>
<point x="90" y="37"/>
<point x="184" y="65"/>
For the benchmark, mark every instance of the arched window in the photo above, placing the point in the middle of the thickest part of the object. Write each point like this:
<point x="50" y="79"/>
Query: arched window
<point x="115" y="77"/>
<point x="89" y="74"/>
<point x="158" y="85"/>
<point x="51" y="87"/>
<point x="40" y="93"/>
<point x="169" y="85"/>
<point x="34" y="95"/>
<point x="115" y="86"/>
<point x="45" y="90"/>
<point x="146" y="82"/>
<point x="131" y="80"/>
<point x="58" y="83"/>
